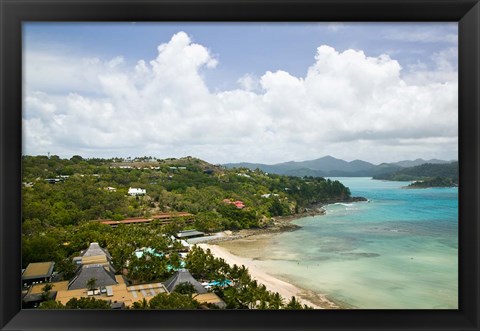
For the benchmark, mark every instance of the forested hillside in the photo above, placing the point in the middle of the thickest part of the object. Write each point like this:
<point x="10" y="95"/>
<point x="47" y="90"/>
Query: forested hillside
<point x="427" y="175"/>
<point x="62" y="198"/>
<point x="97" y="189"/>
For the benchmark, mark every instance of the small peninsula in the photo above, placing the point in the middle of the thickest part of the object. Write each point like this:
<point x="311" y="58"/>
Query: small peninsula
<point x="426" y="175"/>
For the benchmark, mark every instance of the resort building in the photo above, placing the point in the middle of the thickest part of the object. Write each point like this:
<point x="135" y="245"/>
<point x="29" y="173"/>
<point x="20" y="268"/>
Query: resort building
<point x="94" y="254"/>
<point x="33" y="300"/>
<point x="184" y="276"/>
<point x="101" y="274"/>
<point x="136" y="191"/>
<point x="118" y="294"/>
<point x="37" y="273"/>
<point x="201" y="294"/>
<point x="268" y="195"/>
<point x="239" y="204"/>
<point x="189" y="234"/>
<point x="211" y="298"/>
<point x="95" y="263"/>
<point x="95" y="278"/>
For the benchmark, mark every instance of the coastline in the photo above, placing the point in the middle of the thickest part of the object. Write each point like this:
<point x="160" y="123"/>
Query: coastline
<point x="274" y="284"/>
<point x="353" y="289"/>
<point x="278" y="224"/>
<point x="230" y="246"/>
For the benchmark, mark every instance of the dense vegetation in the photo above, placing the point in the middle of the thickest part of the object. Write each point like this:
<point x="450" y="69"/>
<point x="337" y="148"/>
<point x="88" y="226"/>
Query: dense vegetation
<point x="427" y="175"/>
<point x="198" y="188"/>
<point x="76" y="303"/>
<point x="57" y="218"/>
<point x="61" y="244"/>
<point x="435" y="182"/>
<point x="63" y="199"/>
<point x="241" y="293"/>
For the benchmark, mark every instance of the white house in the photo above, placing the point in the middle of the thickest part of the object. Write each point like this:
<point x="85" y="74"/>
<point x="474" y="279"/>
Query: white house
<point x="136" y="191"/>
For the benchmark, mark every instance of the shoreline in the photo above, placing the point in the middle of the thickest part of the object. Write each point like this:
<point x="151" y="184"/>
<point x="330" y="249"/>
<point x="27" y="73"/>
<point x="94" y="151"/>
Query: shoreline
<point x="272" y="283"/>
<point x="219" y="242"/>
<point x="279" y="224"/>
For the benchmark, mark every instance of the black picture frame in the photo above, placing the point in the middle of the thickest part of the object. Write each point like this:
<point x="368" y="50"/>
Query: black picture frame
<point x="14" y="12"/>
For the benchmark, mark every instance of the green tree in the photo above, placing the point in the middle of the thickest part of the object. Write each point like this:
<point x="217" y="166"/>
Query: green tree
<point x="233" y="298"/>
<point x="66" y="268"/>
<point x="87" y="303"/>
<point x="92" y="284"/>
<point x="46" y="291"/>
<point x="276" y="301"/>
<point x="173" y="301"/>
<point x="141" y="305"/>
<point x="276" y="209"/>
<point x="51" y="304"/>
<point x="293" y="304"/>
<point x="184" y="288"/>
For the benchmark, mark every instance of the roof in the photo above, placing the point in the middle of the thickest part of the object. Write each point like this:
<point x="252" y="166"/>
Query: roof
<point x="95" y="250"/>
<point x="121" y="293"/>
<point x="134" y="190"/>
<point x="98" y="259"/>
<point x="189" y="233"/>
<point x="37" y="297"/>
<point x="118" y="305"/>
<point x="183" y="276"/>
<point x="210" y="297"/>
<point x="146" y="291"/>
<point x="103" y="275"/>
<point x="38" y="270"/>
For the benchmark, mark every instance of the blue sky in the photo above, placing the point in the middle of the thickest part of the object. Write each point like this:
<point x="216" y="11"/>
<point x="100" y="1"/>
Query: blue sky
<point x="72" y="60"/>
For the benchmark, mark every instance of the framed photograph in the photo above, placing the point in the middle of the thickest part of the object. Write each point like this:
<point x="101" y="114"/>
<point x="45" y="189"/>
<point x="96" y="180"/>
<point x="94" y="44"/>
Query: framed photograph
<point x="240" y="165"/>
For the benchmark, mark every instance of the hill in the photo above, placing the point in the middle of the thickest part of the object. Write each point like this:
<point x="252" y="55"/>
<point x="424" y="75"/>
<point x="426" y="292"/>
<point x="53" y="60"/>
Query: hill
<point x="329" y="166"/>
<point x="63" y="192"/>
<point x="417" y="162"/>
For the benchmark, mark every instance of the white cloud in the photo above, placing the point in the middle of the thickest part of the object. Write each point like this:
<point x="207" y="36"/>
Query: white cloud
<point x="249" y="82"/>
<point x="348" y="105"/>
<point x="115" y="62"/>
<point x="445" y="63"/>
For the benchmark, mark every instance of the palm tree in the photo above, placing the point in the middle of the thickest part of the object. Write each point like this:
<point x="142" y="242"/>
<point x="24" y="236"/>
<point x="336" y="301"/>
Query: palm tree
<point x="185" y="288"/>
<point x="293" y="304"/>
<point x="232" y="298"/>
<point x="252" y="294"/>
<point x="91" y="284"/>
<point x="141" y="305"/>
<point x="46" y="291"/>
<point x="243" y="276"/>
<point x="276" y="301"/>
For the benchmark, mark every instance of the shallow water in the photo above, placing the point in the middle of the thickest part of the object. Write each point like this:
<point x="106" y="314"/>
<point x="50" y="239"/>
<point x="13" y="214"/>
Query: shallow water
<point x="399" y="250"/>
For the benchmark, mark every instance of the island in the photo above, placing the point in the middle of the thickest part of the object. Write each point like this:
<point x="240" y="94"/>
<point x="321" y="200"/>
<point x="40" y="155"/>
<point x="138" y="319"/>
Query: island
<point x="426" y="175"/>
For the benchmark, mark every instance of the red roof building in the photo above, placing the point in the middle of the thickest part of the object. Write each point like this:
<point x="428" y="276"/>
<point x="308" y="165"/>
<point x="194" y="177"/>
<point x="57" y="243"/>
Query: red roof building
<point x="239" y="204"/>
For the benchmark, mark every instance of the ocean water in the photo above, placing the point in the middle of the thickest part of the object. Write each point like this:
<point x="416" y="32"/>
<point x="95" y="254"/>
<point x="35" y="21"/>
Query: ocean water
<point x="397" y="251"/>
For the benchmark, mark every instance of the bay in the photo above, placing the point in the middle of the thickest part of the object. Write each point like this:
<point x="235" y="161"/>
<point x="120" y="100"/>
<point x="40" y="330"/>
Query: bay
<point x="397" y="251"/>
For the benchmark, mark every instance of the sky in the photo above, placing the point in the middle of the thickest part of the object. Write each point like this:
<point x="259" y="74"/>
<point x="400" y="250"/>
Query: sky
<point x="241" y="92"/>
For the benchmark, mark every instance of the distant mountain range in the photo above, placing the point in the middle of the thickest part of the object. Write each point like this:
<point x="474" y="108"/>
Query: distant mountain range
<point x="329" y="166"/>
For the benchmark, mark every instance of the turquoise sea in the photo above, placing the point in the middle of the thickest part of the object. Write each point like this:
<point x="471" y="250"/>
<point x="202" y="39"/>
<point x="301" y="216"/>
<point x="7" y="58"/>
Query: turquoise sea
<point x="397" y="251"/>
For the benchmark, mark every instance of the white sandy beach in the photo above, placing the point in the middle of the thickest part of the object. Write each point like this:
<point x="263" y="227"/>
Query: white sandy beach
<point x="272" y="283"/>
